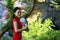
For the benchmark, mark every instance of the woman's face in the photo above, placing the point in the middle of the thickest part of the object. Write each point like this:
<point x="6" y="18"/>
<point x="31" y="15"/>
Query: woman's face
<point x="18" y="13"/>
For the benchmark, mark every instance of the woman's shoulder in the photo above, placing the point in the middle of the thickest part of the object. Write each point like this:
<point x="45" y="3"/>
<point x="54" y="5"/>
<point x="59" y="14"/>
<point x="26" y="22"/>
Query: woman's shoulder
<point x="14" y="19"/>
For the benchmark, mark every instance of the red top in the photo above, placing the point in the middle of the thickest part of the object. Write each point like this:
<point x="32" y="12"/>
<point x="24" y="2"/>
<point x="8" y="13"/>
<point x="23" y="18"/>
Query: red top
<point x="16" y="35"/>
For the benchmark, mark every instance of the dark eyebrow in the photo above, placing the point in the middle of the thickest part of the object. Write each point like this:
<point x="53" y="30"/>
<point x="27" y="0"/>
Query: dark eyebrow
<point x="19" y="11"/>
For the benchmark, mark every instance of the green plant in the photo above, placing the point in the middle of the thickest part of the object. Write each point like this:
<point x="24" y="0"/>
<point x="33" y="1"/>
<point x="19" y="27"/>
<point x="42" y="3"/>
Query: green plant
<point x="39" y="31"/>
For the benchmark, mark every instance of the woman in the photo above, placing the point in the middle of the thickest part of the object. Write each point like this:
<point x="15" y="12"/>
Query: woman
<point x="16" y="25"/>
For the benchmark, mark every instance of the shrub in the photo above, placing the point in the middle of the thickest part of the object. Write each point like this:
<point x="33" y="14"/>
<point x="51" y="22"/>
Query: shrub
<point x="39" y="31"/>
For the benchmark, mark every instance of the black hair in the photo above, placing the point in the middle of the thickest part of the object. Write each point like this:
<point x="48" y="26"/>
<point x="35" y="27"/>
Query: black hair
<point x="16" y="8"/>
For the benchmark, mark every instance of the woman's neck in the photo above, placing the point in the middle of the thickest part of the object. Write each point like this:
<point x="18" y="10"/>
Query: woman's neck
<point x="17" y="17"/>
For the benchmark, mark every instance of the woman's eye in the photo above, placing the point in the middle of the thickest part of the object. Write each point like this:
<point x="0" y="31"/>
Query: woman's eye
<point x="19" y="12"/>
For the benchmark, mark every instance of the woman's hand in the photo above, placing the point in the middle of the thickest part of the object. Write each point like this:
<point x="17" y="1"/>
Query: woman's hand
<point x="27" y="29"/>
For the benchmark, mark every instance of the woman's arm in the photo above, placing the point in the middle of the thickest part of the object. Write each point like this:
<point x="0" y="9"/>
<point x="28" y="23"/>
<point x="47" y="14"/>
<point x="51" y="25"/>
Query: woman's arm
<point x="16" y="27"/>
<point x="24" y="23"/>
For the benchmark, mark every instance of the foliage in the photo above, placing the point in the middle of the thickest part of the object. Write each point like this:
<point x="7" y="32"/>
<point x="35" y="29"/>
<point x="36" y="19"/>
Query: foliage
<point x="39" y="31"/>
<point x="57" y="1"/>
<point x="8" y="25"/>
<point x="10" y="4"/>
<point x="56" y="4"/>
